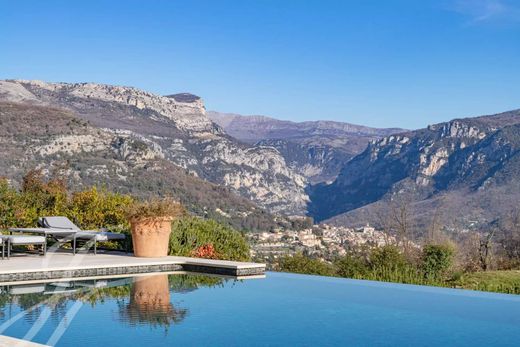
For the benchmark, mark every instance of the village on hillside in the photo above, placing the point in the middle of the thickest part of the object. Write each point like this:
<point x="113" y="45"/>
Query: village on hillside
<point x="320" y="241"/>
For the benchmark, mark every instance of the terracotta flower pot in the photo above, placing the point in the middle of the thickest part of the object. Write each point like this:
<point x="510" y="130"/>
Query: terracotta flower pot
<point x="150" y="303"/>
<point x="151" y="237"/>
<point x="151" y="293"/>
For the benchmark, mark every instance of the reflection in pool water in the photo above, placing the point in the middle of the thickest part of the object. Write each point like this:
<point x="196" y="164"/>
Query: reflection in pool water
<point x="142" y="300"/>
<point x="281" y="310"/>
<point x="150" y="303"/>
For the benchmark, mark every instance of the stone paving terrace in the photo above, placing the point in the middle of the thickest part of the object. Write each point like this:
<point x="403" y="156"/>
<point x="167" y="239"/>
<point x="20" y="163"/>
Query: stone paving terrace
<point x="24" y="267"/>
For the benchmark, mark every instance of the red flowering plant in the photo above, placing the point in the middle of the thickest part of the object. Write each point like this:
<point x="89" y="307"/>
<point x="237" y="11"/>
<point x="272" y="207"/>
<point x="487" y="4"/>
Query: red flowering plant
<point x="206" y="251"/>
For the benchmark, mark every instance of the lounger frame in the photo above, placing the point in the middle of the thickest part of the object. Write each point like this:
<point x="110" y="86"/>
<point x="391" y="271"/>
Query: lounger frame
<point x="7" y="242"/>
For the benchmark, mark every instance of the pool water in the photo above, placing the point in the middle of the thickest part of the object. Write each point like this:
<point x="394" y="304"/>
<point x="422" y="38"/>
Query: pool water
<point x="279" y="310"/>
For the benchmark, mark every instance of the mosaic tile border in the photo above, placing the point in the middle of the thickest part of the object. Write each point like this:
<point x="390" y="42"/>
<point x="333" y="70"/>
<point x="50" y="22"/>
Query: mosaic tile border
<point x="129" y="270"/>
<point x="225" y="271"/>
<point x="93" y="272"/>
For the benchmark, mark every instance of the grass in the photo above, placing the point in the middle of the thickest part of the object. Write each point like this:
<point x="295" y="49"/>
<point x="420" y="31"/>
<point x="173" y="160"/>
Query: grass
<point x="505" y="281"/>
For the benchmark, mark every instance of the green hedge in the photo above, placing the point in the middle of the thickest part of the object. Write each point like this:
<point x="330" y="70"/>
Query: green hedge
<point x="190" y="233"/>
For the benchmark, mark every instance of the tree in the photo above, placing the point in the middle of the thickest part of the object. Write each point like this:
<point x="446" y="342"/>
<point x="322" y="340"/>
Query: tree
<point x="396" y="219"/>
<point x="93" y="208"/>
<point x="436" y="260"/>
<point x="510" y="238"/>
<point x="43" y="197"/>
<point x="485" y="247"/>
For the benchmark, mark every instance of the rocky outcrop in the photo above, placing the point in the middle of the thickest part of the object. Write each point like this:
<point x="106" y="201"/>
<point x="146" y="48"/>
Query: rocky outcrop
<point x="188" y="116"/>
<point x="140" y="127"/>
<point x="57" y="141"/>
<point x="465" y="160"/>
<point x="316" y="150"/>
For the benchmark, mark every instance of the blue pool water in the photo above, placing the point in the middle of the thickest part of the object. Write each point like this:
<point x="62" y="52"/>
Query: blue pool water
<point x="279" y="310"/>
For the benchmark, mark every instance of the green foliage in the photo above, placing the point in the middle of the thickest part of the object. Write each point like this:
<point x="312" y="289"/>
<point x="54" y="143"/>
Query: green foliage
<point x="42" y="197"/>
<point x="351" y="266"/>
<point x="490" y="281"/>
<point x="387" y="257"/>
<point x="190" y="282"/>
<point x="190" y="233"/>
<point x="93" y="208"/>
<point x="388" y="264"/>
<point x="10" y="205"/>
<point x="301" y="223"/>
<point x="154" y="208"/>
<point x="300" y="263"/>
<point x="436" y="261"/>
<point x="37" y="198"/>
<point x="385" y="263"/>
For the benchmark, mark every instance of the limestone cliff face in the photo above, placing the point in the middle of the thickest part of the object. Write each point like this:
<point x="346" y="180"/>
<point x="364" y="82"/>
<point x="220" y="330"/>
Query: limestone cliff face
<point x="189" y="116"/>
<point x="464" y="154"/>
<point x="141" y="127"/>
<point x="56" y="140"/>
<point x="316" y="150"/>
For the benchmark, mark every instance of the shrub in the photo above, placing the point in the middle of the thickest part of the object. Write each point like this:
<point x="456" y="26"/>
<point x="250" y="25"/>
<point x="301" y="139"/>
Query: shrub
<point x="388" y="264"/>
<point x="436" y="261"/>
<point x="43" y="197"/>
<point x="192" y="233"/>
<point x="302" y="264"/>
<point x="10" y="206"/>
<point x="93" y="208"/>
<point x="37" y="198"/>
<point x="493" y="281"/>
<point x="351" y="266"/>
<point x="387" y="257"/>
<point x="206" y="251"/>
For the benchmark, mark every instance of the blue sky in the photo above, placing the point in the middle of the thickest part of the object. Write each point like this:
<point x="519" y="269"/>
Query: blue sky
<point x="405" y="63"/>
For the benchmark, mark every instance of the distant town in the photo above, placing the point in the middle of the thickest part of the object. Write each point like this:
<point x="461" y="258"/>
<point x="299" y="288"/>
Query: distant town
<point x="320" y="241"/>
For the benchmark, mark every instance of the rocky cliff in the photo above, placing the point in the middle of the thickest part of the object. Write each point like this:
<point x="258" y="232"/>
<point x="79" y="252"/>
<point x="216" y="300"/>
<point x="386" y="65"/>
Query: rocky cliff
<point x="467" y="167"/>
<point x="316" y="149"/>
<point x="147" y="129"/>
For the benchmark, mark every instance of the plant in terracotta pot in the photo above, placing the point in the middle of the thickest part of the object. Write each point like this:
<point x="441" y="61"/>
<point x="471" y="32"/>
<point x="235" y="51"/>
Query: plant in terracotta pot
<point x="150" y="223"/>
<point x="150" y="303"/>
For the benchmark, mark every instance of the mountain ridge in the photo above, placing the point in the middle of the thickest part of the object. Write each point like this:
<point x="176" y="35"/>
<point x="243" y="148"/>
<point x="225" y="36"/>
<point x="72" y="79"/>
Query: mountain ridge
<point x="315" y="149"/>
<point x="464" y="160"/>
<point x="179" y="132"/>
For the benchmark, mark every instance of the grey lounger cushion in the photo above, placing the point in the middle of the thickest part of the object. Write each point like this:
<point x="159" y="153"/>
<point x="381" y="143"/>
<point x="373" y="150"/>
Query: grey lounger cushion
<point x="44" y="231"/>
<point x="27" y="289"/>
<point x="92" y="284"/>
<point x="99" y="236"/>
<point x="26" y="240"/>
<point x="57" y="222"/>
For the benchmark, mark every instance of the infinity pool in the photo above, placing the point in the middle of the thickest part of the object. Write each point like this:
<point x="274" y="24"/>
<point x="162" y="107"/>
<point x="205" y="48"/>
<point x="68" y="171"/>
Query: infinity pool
<point x="279" y="310"/>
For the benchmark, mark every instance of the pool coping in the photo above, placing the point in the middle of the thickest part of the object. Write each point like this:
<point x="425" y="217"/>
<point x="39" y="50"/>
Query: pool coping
<point x="8" y="341"/>
<point x="33" y="268"/>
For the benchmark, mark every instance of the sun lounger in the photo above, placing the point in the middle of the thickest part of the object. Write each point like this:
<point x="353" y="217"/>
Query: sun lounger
<point x="100" y="236"/>
<point x="27" y="289"/>
<point x="17" y="240"/>
<point x="64" y="230"/>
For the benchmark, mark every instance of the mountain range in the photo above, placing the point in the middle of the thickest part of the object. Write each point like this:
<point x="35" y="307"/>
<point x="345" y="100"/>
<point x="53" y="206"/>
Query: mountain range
<point x="316" y="150"/>
<point x="251" y="171"/>
<point x="462" y="173"/>
<point x="134" y="141"/>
